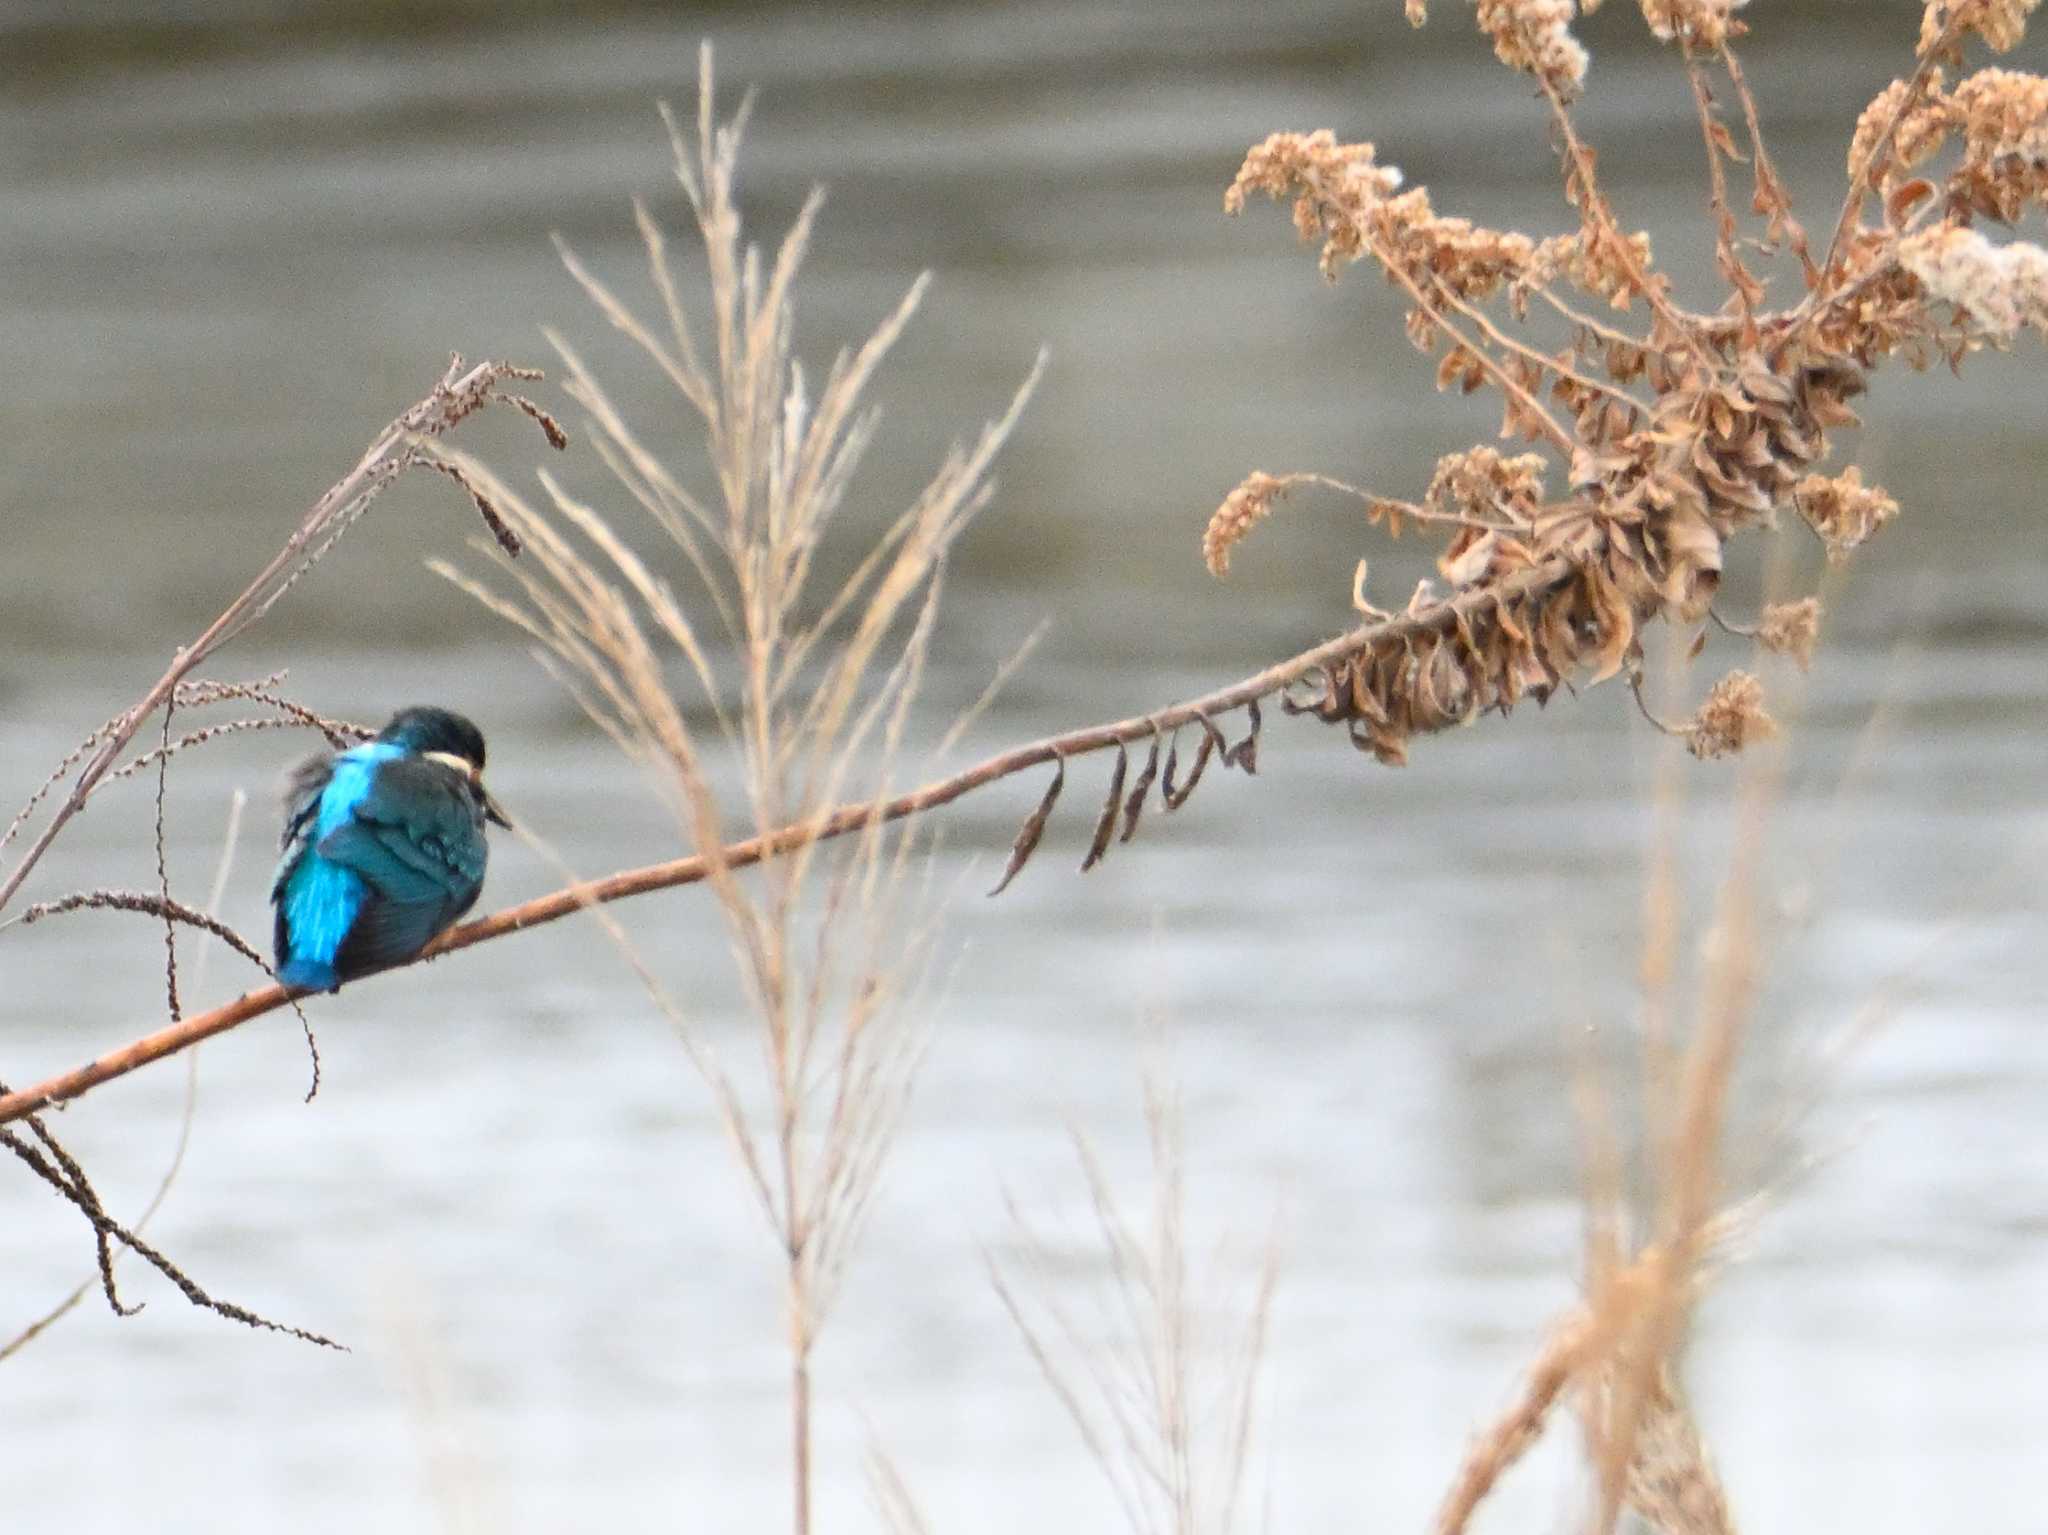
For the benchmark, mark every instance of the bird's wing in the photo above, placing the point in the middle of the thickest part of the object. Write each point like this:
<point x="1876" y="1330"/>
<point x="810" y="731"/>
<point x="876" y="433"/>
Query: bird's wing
<point x="415" y="837"/>
<point x="387" y="931"/>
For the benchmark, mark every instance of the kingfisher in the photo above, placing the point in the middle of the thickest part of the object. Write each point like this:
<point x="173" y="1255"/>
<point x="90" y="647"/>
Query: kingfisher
<point x="383" y="847"/>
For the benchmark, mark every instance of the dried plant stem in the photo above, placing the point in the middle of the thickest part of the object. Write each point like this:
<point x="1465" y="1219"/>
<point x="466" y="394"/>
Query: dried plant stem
<point x="1864" y="176"/>
<point x="800" y="1428"/>
<point x="1596" y="210"/>
<point x="1541" y="360"/>
<point x="1439" y="618"/>
<point x="458" y="395"/>
<point x="1514" y="1431"/>
<point x="1436" y="306"/>
<point x="1766" y="169"/>
<point x="1744" y="285"/>
<point x="1589" y="323"/>
<point x="186" y="1120"/>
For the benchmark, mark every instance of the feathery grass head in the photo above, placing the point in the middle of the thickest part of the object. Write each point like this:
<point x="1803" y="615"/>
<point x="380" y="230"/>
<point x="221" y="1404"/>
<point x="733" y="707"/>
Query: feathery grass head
<point x="803" y="686"/>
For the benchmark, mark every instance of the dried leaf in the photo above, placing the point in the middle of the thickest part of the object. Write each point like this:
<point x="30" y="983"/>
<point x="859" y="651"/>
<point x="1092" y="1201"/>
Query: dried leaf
<point x="1033" y="828"/>
<point x="1245" y="754"/>
<point x="1134" y="802"/>
<point x="1112" y="802"/>
<point x="1170" y="796"/>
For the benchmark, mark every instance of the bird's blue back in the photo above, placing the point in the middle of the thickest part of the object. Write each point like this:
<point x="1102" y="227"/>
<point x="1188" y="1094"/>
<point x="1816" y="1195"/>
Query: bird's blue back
<point x="382" y="849"/>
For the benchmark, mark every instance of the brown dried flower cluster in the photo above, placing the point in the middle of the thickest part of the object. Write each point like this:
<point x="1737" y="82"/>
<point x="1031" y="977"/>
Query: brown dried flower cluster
<point x="1843" y="510"/>
<point x="2002" y="115"/>
<point x="1651" y="443"/>
<point x="1671" y="437"/>
<point x="1245" y="506"/>
<point x="1535" y="37"/>
<point x="1605" y="267"/>
<point x="1791" y="629"/>
<point x="1482" y="484"/>
<point x="1732" y="717"/>
<point x="2000" y="118"/>
<point x="1353" y="204"/>
<point x="2000" y="23"/>
<point x="1705" y="24"/>
<point x="1999" y="287"/>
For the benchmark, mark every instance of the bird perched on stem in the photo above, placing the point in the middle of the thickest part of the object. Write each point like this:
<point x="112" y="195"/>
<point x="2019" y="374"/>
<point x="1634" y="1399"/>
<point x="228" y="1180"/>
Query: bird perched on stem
<point x="383" y="847"/>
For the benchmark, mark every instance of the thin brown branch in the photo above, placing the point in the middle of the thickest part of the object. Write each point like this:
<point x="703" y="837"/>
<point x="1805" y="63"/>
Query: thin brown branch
<point x="1541" y="360"/>
<point x="1863" y="178"/>
<point x="1439" y="619"/>
<point x="187" y="1119"/>
<point x="1596" y="211"/>
<point x="1503" y="380"/>
<point x="1712" y="136"/>
<point x="61" y="1173"/>
<point x="1770" y="185"/>
<point x="1578" y="317"/>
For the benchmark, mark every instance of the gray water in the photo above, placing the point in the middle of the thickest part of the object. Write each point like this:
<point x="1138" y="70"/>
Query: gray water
<point x="235" y="245"/>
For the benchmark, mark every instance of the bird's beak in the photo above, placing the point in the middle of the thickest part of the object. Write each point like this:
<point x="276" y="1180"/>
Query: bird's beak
<point x="493" y="811"/>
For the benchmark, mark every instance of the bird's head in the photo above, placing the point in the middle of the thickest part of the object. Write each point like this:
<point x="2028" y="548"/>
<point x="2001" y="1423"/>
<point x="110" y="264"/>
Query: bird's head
<point x="443" y="736"/>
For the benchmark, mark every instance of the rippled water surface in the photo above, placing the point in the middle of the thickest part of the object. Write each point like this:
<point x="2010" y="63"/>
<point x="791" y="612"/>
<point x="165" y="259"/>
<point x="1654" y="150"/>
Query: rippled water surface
<point x="234" y="247"/>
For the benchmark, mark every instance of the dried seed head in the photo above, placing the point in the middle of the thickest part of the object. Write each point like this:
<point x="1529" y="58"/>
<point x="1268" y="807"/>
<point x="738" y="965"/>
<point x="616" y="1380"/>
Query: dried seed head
<point x="2000" y="287"/>
<point x="1704" y="22"/>
<point x="1241" y="510"/>
<point x="1596" y="261"/>
<point x="1535" y="37"/>
<point x="1791" y="629"/>
<point x="1345" y="199"/>
<point x="1731" y="718"/>
<point x="1483" y="484"/>
<point x="1918" y="131"/>
<point x="2003" y="112"/>
<point x="1337" y="188"/>
<point x="1843" y="510"/>
<point x="2001" y="23"/>
<point x="2003" y="117"/>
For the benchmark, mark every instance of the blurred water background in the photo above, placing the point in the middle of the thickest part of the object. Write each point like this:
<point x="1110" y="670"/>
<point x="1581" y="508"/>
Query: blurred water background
<point x="240" y="237"/>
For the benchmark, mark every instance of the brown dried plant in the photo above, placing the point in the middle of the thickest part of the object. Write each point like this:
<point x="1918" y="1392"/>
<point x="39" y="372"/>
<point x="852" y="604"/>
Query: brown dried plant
<point x="1618" y="1356"/>
<point x="1667" y="435"/>
<point x="103" y="1279"/>
<point x="806" y="687"/>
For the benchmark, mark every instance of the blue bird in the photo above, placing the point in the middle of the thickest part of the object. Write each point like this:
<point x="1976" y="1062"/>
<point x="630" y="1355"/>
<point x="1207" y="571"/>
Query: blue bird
<point x="383" y="847"/>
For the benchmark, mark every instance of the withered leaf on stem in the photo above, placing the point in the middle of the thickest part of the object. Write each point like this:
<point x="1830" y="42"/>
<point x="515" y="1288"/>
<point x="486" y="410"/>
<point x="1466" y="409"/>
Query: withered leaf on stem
<point x="1112" y="802"/>
<point x="493" y="518"/>
<point x="1175" y="797"/>
<point x="1134" y="802"/>
<point x="1245" y="754"/>
<point x="1033" y="828"/>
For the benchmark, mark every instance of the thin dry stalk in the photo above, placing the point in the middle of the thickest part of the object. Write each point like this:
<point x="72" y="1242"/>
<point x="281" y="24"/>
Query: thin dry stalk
<point x="186" y="1114"/>
<point x="1510" y="1436"/>
<point x="1618" y="1355"/>
<point x="830" y="949"/>
<point x="894" y="1502"/>
<point x="1166" y="1409"/>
